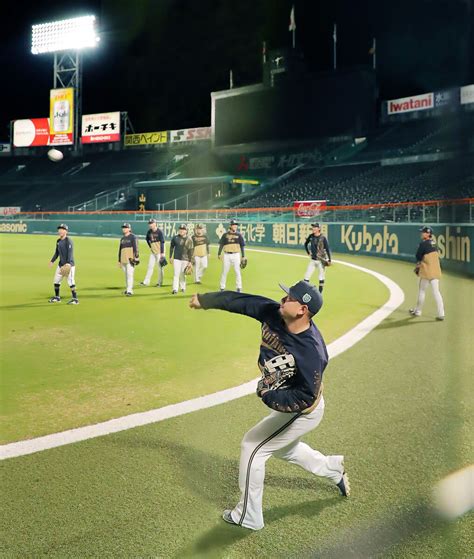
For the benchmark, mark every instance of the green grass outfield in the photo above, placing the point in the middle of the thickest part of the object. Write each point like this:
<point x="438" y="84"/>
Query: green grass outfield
<point x="398" y="405"/>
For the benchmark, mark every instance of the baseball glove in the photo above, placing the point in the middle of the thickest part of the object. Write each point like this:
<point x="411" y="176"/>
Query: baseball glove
<point x="65" y="270"/>
<point x="275" y="372"/>
<point x="189" y="269"/>
<point x="134" y="261"/>
<point x="417" y="269"/>
<point x="163" y="262"/>
<point x="243" y="263"/>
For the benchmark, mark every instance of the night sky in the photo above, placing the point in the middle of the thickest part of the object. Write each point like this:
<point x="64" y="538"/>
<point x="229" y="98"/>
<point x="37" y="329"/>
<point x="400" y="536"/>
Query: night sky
<point x="160" y="59"/>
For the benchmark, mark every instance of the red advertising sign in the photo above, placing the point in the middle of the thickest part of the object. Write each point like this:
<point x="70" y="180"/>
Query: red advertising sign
<point x="31" y="132"/>
<point x="408" y="104"/>
<point x="309" y="208"/>
<point x="103" y="127"/>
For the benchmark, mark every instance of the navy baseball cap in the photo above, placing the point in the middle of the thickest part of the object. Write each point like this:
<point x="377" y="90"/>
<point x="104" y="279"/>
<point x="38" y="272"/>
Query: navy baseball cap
<point x="183" y="226"/>
<point x="234" y="222"/>
<point x="315" y="225"/>
<point x="151" y="220"/>
<point x="306" y="294"/>
<point x="63" y="226"/>
<point x="126" y="225"/>
<point x="426" y="230"/>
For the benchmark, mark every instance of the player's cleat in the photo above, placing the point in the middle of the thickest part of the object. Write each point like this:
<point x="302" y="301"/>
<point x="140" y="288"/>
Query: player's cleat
<point x="239" y="290"/>
<point x="222" y="289"/>
<point x="144" y="284"/>
<point x="414" y="312"/>
<point x="174" y="292"/>
<point x="183" y="290"/>
<point x="227" y="516"/>
<point x="128" y="294"/>
<point x="198" y="282"/>
<point x="344" y="485"/>
<point x="73" y="301"/>
<point x="55" y="300"/>
<point x="440" y="318"/>
<point x="158" y="285"/>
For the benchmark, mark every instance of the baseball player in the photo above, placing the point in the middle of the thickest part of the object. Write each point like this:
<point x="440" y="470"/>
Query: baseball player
<point x="201" y="252"/>
<point x="128" y="257"/>
<point x="66" y="267"/>
<point x="428" y="270"/>
<point x="181" y="254"/>
<point x="156" y="242"/>
<point x="317" y="247"/>
<point x="232" y="244"/>
<point x="292" y="360"/>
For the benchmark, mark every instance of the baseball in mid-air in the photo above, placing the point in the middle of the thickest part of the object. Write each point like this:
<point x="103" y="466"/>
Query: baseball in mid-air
<point x="55" y="155"/>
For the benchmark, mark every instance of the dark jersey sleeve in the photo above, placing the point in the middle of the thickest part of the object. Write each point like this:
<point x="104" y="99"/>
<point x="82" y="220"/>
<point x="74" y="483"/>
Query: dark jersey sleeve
<point x="120" y="249"/>
<point x="242" y="244"/>
<point x="70" y="251"/>
<point x="56" y="254"/>
<point x="306" y="243"/>
<point x="207" y="244"/>
<point x="326" y="247"/>
<point x="422" y="250"/>
<point x="172" y="245"/>
<point x="189" y="248"/>
<point x="148" y="238"/>
<point x="253" y="306"/>
<point x="135" y="247"/>
<point x="221" y="244"/>
<point x="162" y="241"/>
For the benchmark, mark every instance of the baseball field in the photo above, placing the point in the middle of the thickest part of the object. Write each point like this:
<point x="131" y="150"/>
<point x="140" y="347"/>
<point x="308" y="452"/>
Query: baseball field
<point x="398" y="406"/>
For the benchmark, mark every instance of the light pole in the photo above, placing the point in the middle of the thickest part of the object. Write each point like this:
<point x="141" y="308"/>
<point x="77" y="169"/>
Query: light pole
<point x="66" y="39"/>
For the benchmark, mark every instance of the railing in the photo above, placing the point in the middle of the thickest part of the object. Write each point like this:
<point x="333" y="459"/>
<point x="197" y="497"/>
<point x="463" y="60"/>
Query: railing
<point x="429" y="212"/>
<point x="104" y="201"/>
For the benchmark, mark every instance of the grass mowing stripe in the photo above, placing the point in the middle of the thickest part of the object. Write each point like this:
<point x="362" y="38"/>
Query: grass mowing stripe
<point x="343" y="343"/>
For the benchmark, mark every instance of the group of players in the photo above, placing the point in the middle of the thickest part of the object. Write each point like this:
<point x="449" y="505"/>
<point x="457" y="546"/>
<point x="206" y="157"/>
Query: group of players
<point x="187" y="255"/>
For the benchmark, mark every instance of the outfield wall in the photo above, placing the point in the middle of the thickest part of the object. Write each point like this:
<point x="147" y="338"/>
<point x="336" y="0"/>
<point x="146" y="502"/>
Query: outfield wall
<point x="376" y="239"/>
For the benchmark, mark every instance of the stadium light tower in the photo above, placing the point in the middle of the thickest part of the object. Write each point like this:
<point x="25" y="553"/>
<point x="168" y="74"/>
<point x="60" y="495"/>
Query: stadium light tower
<point x="66" y="39"/>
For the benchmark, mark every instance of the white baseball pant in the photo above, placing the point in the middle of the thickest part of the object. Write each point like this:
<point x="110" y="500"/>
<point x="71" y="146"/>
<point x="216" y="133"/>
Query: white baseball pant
<point x="436" y="293"/>
<point x="153" y="261"/>
<point x="71" y="280"/>
<point x="231" y="259"/>
<point x="179" y="278"/>
<point x="313" y="265"/>
<point x="200" y="265"/>
<point x="129" y="271"/>
<point x="278" y="435"/>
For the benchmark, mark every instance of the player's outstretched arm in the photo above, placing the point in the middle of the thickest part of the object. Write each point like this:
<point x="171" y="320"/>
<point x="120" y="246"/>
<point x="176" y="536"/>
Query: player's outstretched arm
<point x="194" y="302"/>
<point x="253" y="306"/>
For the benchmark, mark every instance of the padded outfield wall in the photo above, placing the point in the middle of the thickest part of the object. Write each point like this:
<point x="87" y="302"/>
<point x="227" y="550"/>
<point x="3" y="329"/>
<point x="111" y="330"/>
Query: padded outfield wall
<point x="397" y="241"/>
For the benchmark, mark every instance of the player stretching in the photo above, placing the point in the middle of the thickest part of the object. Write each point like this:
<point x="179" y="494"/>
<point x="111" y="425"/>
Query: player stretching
<point x="156" y="242"/>
<point x="66" y="267"/>
<point x="429" y="272"/>
<point x="319" y="253"/>
<point x="128" y="257"/>
<point x="232" y="243"/>
<point x="292" y="360"/>
<point x="181" y="254"/>
<point x="201" y="252"/>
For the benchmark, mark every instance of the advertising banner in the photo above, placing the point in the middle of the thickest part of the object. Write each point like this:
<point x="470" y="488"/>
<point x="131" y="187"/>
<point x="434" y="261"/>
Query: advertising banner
<point x="31" y="132"/>
<point x="9" y="210"/>
<point x="467" y="94"/>
<point x="100" y="128"/>
<point x="446" y="97"/>
<point x="5" y="148"/>
<point x="61" y="116"/>
<point x="146" y="138"/>
<point x="408" y="104"/>
<point x="309" y="208"/>
<point x="191" y="134"/>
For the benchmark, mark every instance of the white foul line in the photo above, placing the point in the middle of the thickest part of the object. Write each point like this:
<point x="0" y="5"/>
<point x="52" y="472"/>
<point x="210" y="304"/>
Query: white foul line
<point x="344" y="342"/>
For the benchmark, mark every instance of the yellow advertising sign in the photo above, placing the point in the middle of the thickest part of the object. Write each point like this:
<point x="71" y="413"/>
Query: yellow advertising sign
<point x="61" y="116"/>
<point x="146" y="138"/>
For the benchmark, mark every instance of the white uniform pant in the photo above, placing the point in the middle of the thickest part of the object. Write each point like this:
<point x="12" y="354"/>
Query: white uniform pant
<point x="314" y="265"/>
<point x="153" y="261"/>
<point x="179" y="278"/>
<point x="200" y="265"/>
<point x="231" y="259"/>
<point x="436" y="293"/>
<point x="71" y="280"/>
<point x="278" y="435"/>
<point x="129" y="271"/>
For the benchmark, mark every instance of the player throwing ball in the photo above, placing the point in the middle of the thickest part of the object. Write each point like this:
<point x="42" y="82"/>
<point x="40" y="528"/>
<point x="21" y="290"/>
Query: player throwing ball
<point x="201" y="252"/>
<point x="66" y="267"/>
<point x="156" y="242"/>
<point x="292" y="361"/>
<point x="232" y="245"/>
<point x="317" y="247"/>
<point x="128" y="257"/>
<point x="181" y="254"/>
<point x="428" y="270"/>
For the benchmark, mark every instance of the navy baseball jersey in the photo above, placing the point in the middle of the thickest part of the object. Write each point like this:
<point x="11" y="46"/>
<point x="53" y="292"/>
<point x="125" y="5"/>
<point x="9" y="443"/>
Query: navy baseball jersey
<point x="312" y="243"/>
<point x="308" y="348"/>
<point x="65" y="251"/>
